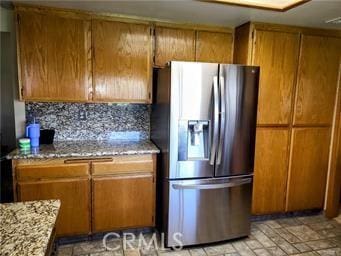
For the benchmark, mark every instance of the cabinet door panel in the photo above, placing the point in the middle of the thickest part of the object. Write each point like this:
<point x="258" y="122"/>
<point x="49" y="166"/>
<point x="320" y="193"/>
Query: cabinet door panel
<point x="308" y="168"/>
<point x="276" y="53"/>
<point x="271" y="165"/>
<point x="122" y="63"/>
<point x="174" y="44"/>
<point x="54" y="57"/>
<point x="317" y="80"/>
<point x="74" y="214"/>
<point x="214" y="47"/>
<point x="123" y="202"/>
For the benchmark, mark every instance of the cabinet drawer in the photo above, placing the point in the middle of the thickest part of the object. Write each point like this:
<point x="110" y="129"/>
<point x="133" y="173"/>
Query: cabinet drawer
<point x="51" y="170"/>
<point x="124" y="164"/>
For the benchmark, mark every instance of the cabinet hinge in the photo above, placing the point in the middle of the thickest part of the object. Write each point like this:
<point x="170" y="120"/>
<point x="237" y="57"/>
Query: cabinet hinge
<point x="22" y="92"/>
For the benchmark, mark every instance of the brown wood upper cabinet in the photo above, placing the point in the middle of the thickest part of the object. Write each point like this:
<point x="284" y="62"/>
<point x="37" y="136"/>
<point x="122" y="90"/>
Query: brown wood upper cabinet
<point x="54" y="57"/>
<point x="122" y="64"/>
<point x="276" y="53"/>
<point x="174" y="44"/>
<point x="214" y="47"/>
<point x="318" y="70"/>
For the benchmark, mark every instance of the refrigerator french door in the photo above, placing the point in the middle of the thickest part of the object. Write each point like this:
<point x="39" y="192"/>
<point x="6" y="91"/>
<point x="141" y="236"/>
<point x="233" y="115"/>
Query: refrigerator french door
<point x="204" y="121"/>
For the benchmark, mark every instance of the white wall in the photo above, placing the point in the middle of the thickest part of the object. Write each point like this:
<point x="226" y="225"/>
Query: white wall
<point x="18" y="108"/>
<point x="6" y="21"/>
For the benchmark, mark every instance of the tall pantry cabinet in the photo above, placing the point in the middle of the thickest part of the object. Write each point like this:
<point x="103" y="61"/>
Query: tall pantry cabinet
<point x="297" y="95"/>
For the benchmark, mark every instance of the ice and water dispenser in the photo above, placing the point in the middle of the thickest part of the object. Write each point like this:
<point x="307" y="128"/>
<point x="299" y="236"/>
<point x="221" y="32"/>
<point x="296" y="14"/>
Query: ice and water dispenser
<point x="194" y="140"/>
<point x="197" y="140"/>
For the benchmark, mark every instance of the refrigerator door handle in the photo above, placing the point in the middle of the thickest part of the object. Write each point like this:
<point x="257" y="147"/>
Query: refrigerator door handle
<point x="215" y="120"/>
<point x="222" y="118"/>
<point x="213" y="186"/>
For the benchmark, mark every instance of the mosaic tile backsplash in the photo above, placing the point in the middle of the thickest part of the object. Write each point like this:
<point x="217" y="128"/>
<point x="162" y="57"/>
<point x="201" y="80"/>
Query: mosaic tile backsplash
<point x="92" y="121"/>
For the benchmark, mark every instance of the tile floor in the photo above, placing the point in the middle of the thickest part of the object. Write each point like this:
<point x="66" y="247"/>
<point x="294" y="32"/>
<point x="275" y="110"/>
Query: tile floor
<point x="306" y="236"/>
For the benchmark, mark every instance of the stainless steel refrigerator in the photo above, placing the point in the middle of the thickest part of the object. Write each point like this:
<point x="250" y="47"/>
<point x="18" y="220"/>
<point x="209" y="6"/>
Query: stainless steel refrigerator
<point x="204" y="122"/>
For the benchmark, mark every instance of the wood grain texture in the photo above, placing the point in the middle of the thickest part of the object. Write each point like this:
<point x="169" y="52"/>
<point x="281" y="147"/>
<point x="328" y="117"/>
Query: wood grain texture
<point x="124" y="164"/>
<point x="243" y="44"/>
<point x="296" y="29"/>
<point x="317" y="80"/>
<point x="308" y="168"/>
<point x="276" y="53"/>
<point x="88" y="15"/>
<point x="74" y="214"/>
<point x="46" y="161"/>
<point x="41" y="172"/>
<point x="54" y="54"/>
<point x="173" y="44"/>
<point x="332" y="205"/>
<point x="122" y="66"/>
<point x="334" y="180"/>
<point x="123" y="202"/>
<point x="271" y="170"/>
<point x="214" y="47"/>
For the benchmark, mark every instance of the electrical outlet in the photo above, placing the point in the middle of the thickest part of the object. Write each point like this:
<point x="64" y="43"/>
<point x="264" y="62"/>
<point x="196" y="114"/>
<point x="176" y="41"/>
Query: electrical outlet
<point x="82" y="115"/>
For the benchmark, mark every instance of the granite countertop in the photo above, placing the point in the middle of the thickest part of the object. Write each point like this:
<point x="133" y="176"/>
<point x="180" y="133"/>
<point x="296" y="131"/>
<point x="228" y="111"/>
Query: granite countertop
<point x="87" y="149"/>
<point x="26" y="227"/>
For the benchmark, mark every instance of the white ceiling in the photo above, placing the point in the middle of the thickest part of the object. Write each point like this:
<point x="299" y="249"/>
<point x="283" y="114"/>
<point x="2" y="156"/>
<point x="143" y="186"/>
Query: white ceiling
<point x="312" y="14"/>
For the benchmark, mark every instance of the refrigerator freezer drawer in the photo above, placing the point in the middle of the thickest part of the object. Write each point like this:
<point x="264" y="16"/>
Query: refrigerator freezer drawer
<point x="208" y="210"/>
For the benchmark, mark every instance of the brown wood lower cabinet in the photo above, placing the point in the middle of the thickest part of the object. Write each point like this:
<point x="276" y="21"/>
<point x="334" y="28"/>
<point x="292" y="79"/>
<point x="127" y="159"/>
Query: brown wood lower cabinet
<point x="74" y="215"/>
<point x="271" y="165"/>
<point x="112" y="193"/>
<point x="308" y="168"/>
<point x="123" y="202"/>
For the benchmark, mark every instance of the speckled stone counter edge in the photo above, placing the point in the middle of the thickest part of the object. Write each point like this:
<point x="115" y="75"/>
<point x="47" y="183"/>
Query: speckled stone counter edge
<point x="25" y="222"/>
<point x="87" y="149"/>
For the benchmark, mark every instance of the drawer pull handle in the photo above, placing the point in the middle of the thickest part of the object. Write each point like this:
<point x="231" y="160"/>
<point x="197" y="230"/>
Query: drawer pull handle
<point x="87" y="160"/>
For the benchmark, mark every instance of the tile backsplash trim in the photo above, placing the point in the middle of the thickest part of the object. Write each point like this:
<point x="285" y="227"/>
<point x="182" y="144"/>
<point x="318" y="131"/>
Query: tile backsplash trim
<point x="102" y="122"/>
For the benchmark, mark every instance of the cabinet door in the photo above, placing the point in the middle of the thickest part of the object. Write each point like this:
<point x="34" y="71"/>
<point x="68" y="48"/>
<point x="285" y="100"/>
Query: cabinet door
<point x="214" y="47"/>
<point x="308" y="168"/>
<point x="317" y="80"/>
<point x="54" y="57"/>
<point x="122" y="66"/>
<point x="271" y="165"/>
<point x="121" y="202"/>
<point x="74" y="214"/>
<point x="174" y="44"/>
<point x="276" y="53"/>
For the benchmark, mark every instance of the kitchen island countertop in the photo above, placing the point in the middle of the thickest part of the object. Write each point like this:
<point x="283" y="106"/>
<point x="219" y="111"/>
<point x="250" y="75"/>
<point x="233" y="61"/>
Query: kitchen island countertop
<point x="26" y="227"/>
<point x="86" y="149"/>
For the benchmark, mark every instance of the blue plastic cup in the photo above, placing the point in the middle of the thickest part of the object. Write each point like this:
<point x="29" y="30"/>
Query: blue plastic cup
<point x="33" y="132"/>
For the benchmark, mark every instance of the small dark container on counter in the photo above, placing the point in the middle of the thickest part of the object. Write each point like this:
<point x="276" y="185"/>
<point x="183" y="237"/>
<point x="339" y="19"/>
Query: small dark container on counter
<point x="46" y="136"/>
